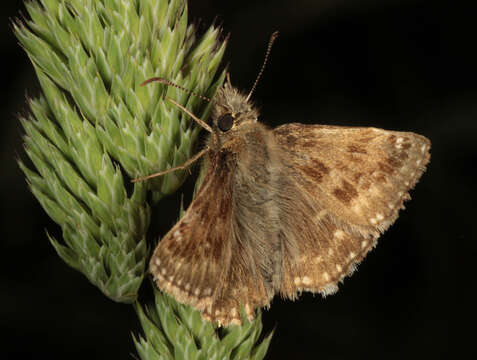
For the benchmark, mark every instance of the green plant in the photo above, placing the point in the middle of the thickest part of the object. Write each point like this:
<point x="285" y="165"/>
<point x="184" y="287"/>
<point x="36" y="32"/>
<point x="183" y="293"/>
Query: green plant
<point x="94" y="128"/>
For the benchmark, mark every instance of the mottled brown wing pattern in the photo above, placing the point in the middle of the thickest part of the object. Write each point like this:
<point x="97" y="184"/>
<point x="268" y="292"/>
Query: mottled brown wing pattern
<point x="196" y="262"/>
<point x="327" y="250"/>
<point x="349" y="184"/>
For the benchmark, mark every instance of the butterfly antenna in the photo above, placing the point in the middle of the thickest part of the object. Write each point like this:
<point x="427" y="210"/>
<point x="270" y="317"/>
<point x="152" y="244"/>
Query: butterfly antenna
<point x="267" y="55"/>
<point x="170" y="83"/>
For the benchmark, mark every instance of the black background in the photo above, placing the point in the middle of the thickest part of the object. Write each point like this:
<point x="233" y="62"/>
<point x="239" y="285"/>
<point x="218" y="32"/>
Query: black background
<point x="400" y="65"/>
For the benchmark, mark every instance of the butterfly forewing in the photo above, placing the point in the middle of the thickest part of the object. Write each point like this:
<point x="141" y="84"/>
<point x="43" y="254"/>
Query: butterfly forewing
<point x="349" y="184"/>
<point x="201" y="263"/>
<point x="191" y="261"/>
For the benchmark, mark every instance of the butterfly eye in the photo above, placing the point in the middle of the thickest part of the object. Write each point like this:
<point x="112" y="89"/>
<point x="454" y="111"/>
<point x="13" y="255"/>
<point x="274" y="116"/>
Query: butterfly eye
<point x="225" y="122"/>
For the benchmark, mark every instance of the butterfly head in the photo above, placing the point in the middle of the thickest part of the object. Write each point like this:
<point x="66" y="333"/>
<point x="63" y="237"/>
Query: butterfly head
<point x="231" y="110"/>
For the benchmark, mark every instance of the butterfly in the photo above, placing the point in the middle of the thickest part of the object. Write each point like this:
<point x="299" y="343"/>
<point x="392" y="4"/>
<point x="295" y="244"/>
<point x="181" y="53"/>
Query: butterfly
<point x="281" y="211"/>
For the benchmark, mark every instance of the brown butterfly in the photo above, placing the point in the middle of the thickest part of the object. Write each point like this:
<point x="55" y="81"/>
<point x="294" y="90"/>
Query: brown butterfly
<point x="281" y="210"/>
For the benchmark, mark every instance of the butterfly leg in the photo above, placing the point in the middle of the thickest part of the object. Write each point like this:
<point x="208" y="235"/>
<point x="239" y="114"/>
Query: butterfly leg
<point x="181" y="167"/>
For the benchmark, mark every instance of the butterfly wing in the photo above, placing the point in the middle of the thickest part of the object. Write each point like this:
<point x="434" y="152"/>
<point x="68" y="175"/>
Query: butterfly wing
<point x="201" y="263"/>
<point x="348" y="185"/>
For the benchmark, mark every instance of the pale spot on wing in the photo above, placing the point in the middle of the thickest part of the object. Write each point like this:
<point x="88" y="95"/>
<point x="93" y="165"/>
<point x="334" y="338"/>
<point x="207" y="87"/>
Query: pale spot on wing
<point x="306" y="280"/>
<point x="423" y="148"/>
<point x="339" y="268"/>
<point x="363" y="244"/>
<point x="339" y="234"/>
<point x="379" y="216"/>
<point x="178" y="264"/>
<point x="207" y="302"/>
<point x="153" y="268"/>
<point x="318" y="259"/>
<point x="297" y="281"/>
<point x="177" y="235"/>
<point x="187" y="286"/>
<point x="236" y="321"/>
<point x="330" y="252"/>
<point x="373" y="221"/>
<point x="157" y="261"/>
<point x="352" y="255"/>
<point x="357" y="208"/>
<point x="248" y="309"/>
<point x="197" y="292"/>
<point x="326" y="276"/>
<point x="233" y="312"/>
<point x="163" y="271"/>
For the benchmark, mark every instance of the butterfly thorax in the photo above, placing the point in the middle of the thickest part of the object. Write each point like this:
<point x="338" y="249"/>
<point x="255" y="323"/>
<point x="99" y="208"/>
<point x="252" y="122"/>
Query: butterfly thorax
<point x="248" y="155"/>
